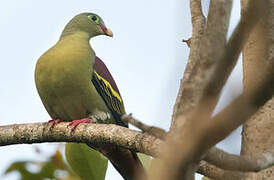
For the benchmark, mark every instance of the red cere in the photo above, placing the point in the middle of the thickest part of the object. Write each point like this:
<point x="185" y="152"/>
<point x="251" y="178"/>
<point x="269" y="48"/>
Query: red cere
<point x="103" y="28"/>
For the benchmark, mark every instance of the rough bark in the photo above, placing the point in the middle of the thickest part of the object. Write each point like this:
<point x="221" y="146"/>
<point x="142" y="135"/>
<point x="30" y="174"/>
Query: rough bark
<point x="96" y="134"/>
<point x="258" y="61"/>
<point x="207" y="47"/>
<point x="201" y="89"/>
<point x="186" y="97"/>
<point x="84" y="133"/>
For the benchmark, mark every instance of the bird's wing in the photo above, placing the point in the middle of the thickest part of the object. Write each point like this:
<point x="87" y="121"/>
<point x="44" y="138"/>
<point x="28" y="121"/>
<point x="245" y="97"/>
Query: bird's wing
<point x="108" y="90"/>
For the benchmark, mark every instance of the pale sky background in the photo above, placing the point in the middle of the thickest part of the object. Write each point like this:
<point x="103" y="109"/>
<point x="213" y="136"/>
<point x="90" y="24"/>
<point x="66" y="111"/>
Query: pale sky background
<point x="146" y="58"/>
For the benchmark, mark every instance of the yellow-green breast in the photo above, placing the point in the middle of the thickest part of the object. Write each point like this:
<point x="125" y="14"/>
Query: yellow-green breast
<point x="63" y="79"/>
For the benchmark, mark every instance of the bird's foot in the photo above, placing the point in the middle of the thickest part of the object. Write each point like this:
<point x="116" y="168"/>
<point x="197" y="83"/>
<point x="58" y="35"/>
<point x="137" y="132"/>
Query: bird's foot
<point x="53" y="122"/>
<point x="75" y="123"/>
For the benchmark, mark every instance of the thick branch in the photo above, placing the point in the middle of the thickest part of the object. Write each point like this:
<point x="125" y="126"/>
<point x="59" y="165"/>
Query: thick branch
<point x="120" y="136"/>
<point x="210" y="49"/>
<point x="199" y="132"/>
<point x="198" y="24"/>
<point x="215" y="156"/>
<point x="233" y="162"/>
<point x="84" y="133"/>
<point x="258" y="60"/>
<point x="233" y="49"/>
<point x="215" y="173"/>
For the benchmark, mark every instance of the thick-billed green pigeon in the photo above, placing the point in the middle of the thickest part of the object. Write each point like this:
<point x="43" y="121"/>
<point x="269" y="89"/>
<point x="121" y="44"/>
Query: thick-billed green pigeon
<point x="75" y="85"/>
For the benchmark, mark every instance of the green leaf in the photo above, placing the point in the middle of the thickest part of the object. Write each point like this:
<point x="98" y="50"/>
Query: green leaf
<point x="54" y="163"/>
<point x="21" y="168"/>
<point x="145" y="159"/>
<point x="86" y="162"/>
<point x="49" y="169"/>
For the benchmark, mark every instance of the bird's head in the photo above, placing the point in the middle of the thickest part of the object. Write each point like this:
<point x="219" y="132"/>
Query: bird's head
<point x="89" y="23"/>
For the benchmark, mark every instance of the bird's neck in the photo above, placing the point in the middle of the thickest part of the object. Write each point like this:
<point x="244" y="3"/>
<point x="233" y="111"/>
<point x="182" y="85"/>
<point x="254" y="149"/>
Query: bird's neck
<point x="77" y="35"/>
<point x="77" y="41"/>
<point x="72" y="28"/>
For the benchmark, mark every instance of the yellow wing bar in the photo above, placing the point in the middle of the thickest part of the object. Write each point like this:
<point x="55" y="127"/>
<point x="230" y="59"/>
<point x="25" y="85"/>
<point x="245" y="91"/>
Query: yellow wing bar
<point x="109" y="86"/>
<point x="111" y="97"/>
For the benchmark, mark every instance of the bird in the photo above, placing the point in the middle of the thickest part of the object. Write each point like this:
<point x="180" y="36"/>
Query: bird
<point x="76" y="86"/>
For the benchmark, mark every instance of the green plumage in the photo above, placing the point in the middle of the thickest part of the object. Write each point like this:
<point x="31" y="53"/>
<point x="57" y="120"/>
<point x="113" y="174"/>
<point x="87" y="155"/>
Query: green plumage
<point x="63" y="78"/>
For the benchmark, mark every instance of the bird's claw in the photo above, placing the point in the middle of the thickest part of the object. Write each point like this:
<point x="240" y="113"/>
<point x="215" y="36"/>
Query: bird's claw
<point x="75" y="123"/>
<point x="53" y="122"/>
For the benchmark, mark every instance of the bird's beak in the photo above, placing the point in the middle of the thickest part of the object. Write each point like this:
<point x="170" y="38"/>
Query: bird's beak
<point x="107" y="31"/>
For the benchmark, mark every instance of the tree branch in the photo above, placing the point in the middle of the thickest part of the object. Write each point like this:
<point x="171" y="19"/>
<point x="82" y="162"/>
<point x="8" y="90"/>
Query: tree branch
<point x="215" y="156"/>
<point x="96" y="134"/>
<point x="199" y="132"/>
<point x="152" y="130"/>
<point x="84" y="133"/>
<point x="233" y="162"/>
<point x="215" y="173"/>
<point x="198" y="24"/>
<point x="210" y="48"/>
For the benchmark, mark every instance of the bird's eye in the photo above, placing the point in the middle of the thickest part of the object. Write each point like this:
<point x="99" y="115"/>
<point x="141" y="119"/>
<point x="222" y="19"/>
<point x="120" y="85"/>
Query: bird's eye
<point x="94" y="18"/>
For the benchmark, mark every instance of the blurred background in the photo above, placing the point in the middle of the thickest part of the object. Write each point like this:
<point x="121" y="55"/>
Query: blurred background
<point x="146" y="57"/>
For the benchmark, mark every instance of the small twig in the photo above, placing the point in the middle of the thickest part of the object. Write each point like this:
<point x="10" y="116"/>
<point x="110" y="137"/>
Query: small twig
<point x="152" y="130"/>
<point x="187" y="41"/>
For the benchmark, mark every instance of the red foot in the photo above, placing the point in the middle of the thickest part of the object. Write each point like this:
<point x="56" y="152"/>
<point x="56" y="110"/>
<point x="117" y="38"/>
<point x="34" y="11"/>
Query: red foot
<point x="75" y="123"/>
<point x="53" y="122"/>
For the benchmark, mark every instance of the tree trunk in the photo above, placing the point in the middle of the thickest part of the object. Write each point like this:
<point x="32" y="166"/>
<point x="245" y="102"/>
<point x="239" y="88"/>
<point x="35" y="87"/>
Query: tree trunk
<point x="257" y="135"/>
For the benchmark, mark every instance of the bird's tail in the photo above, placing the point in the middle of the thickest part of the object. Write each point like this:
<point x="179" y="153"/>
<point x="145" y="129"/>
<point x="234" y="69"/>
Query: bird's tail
<point x="125" y="161"/>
